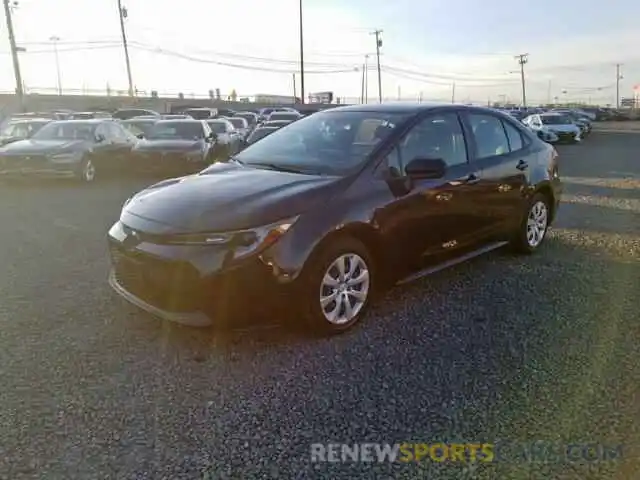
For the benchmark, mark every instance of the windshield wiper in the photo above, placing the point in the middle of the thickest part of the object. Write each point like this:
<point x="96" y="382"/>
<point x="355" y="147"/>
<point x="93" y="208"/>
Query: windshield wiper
<point x="278" y="168"/>
<point x="235" y="160"/>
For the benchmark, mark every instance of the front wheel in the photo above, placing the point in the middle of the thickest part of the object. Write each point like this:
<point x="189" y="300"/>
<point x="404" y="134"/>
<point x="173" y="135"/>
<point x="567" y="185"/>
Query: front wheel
<point x="337" y="286"/>
<point x="534" y="226"/>
<point x="87" y="171"/>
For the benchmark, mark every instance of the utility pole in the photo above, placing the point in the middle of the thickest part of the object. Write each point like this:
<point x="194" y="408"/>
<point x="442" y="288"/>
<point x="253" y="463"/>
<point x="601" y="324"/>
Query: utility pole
<point x="301" y="58"/>
<point x="523" y="58"/>
<point x="618" y="78"/>
<point x="295" y="95"/>
<point x="122" y="11"/>
<point x="55" y="41"/>
<point x="14" y="54"/>
<point x="453" y="93"/>
<point x="378" y="45"/>
<point x="364" y="72"/>
<point x="366" y="79"/>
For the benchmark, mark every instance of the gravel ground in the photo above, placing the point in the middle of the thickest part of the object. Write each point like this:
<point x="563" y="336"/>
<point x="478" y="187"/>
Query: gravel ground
<point x="502" y="348"/>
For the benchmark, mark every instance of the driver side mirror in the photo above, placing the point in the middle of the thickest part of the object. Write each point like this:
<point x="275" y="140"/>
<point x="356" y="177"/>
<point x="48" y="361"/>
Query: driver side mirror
<point x="426" y="168"/>
<point x="100" y="138"/>
<point x="140" y="136"/>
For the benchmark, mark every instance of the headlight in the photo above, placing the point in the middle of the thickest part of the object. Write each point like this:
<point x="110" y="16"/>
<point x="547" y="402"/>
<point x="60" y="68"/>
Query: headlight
<point x="243" y="242"/>
<point x="64" y="157"/>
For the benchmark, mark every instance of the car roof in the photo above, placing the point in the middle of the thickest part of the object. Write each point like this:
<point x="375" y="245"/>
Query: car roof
<point x="139" y="119"/>
<point x="87" y="120"/>
<point x="552" y="114"/>
<point x="30" y="120"/>
<point x="179" y="120"/>
<point x="408" y="107"/>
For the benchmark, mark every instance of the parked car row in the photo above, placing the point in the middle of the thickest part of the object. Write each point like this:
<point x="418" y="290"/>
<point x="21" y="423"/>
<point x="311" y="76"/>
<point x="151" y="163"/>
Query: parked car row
<point x="556" y="125"/>
<point x="131" y="141"/>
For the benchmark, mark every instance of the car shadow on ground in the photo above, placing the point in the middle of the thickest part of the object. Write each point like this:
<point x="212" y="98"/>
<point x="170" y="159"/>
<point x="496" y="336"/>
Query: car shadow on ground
<point x="276" y="323"/>
<point x="516" y="348"/>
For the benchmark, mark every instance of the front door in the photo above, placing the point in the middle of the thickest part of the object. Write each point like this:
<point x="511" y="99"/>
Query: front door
<point x="432" y="216"/>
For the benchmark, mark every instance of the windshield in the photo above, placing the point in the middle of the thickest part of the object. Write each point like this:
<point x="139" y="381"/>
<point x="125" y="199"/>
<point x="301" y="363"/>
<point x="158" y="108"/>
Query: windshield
<point x="555" y="120"/>
<point x="22" y="129"/>
<point x="176" y="130"/>
<point x="238" y="122"/>
<point x="199" y="114"/>
<point x="251" y="119"/>
<point x="66" y="131"/>
<point x="260" y="133"/>
<point x="333" y="142"/>
<point x="138" y="128"/>
<point x="218" y="127"/>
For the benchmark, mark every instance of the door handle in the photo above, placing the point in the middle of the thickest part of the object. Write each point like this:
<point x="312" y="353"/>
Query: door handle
<point x="522" y="165"/>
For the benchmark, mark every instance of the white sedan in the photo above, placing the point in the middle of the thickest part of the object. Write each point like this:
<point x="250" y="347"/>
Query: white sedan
<point x="559" y="125"/>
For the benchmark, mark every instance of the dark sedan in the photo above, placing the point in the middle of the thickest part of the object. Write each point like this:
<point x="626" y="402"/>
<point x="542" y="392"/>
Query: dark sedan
<point x="16" y="130"/>
<point x="334" y="207"/>
<point x="69" y="148"/>
<point x="174" y="147"/>
<point x="284" y="116"/>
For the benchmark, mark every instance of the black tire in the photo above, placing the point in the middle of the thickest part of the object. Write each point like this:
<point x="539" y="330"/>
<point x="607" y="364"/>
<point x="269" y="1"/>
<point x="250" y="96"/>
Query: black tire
<point x="521" y="241"/>
<point x="310" y="289"/>
<point x="86" y="171"/>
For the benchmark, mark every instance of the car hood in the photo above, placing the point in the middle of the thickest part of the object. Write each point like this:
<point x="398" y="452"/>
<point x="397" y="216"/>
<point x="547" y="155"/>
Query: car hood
<point x="44" y="147"/>
<point x="228" y="197"/>
<point x="168" y="145"/>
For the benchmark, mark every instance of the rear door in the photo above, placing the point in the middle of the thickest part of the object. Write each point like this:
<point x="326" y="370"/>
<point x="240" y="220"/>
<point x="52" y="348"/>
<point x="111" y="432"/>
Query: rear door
<point x="499" y="151"/>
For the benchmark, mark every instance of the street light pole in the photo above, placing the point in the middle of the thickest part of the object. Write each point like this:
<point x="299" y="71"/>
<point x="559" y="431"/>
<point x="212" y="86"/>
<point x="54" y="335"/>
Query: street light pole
<point x="301" y="58"/>
<point x="14" y="53"/>
<point x="55" y="41"/>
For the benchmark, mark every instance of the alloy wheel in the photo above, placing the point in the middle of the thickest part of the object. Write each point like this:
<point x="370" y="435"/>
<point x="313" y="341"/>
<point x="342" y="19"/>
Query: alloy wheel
<point x="88" y="172"/>
<point x="344" y="289"/>
<point x="537" y="223"/>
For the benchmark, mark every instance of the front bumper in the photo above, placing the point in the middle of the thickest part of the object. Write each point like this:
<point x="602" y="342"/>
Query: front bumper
<point x="21" y="166"/>
<point x="190" y="285"/>
<point x="173" y="163"/>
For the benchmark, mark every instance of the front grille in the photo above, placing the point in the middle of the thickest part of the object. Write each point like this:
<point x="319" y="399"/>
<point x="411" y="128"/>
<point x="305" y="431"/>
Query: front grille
<point x="168" y="285"/>
<point x="566" y="135"/>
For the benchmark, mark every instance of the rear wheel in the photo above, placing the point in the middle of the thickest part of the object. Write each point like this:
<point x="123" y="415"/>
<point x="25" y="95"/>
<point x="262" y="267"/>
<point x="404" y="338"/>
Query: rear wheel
<point x="534" y="226"/>
<point x="337" y="286"/>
